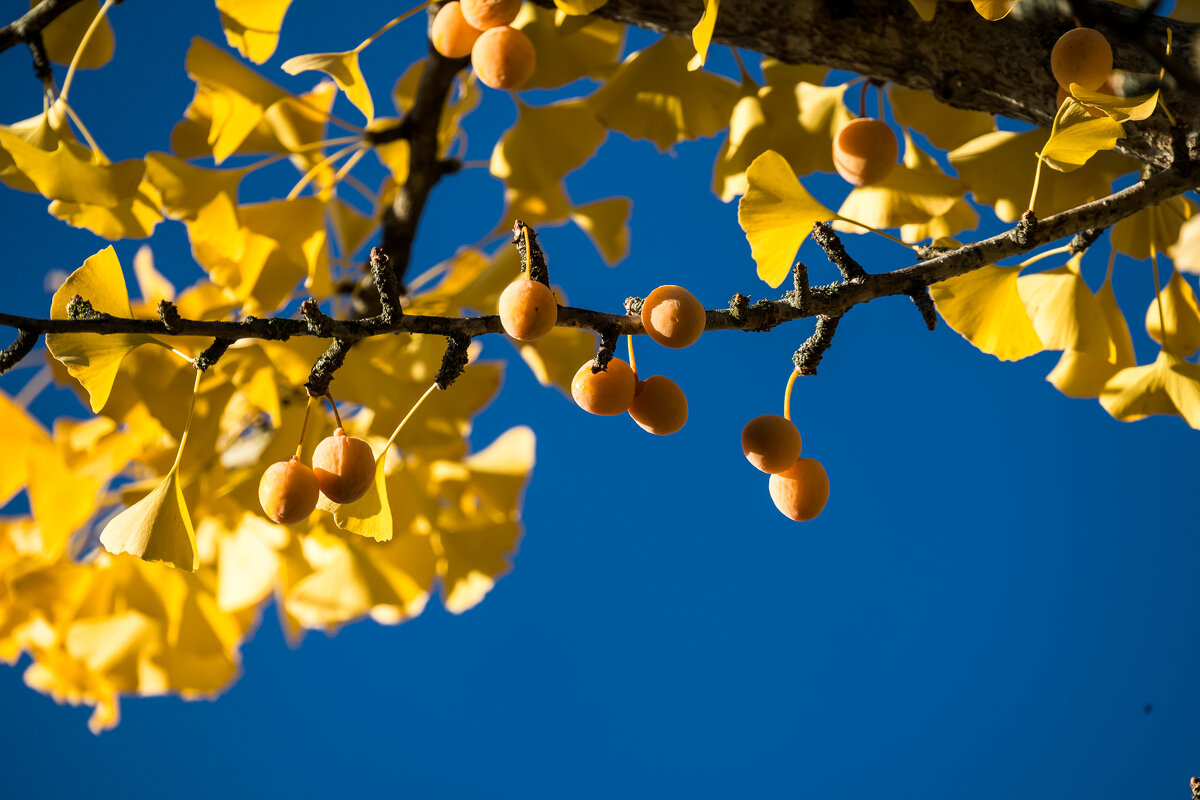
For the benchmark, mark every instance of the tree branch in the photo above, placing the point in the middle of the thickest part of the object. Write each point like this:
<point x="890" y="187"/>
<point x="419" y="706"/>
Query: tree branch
<point x="32" y="23"/>
<point x="1000" y="67"/>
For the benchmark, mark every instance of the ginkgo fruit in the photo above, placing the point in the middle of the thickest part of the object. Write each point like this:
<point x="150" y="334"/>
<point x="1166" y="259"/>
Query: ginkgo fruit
<point x="1081" y="56"/>
<point x="503" y="58"/>
<point x="451" y="34"/>
<point x="771" y="443"/>
<point x="344" y="466"/>
<point x="528" y="309"/>
<point x="801" y="491"/>
<point x="288" y="491"/>
<point x="485" y="14"/>
<point x="608" y="392"/>
<point x="865" y="151"/>
<point x="659" y="405"/>
<point x="672" y="316"/>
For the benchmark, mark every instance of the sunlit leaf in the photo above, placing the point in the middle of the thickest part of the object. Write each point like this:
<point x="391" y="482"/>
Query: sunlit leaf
<point x="545" y="144"/>
<point x="702" y="33"/>
<point x="24" y="437"/>
<point x="93" y="359"/>
<point x="233" y="255"/>
<point x="344" y="69"/>
<point x="156" y="528"/>
<point x="912" y="194"/>
<point x="568" y="48"/>
<point x="777" y="214"/>
<point x="555" y="357"/>
<point x="297" y="227"/>
<point x="1185" y="253"/>
<point x="606" y="222"/>
<point x="1182" y="330"/>
<point x="1168" y="386"/>
<point x="575" y="7"/>
<point x="186" y="188"/>
<point x="1120" y="109"/>
<point x="62" y="36"/>
<point x="985" y="307"/>
<point x="945" y="126"/>
<point x="1064" y="312"/>
<point x="134" y="217"/>
<point x="1153" y="229"/>
<point x="1081" y="374"/>
<point x="252" y="26"/>
<point x="994" y="9"/>
<point x="925" y="8"/>
<point x="71" y="173"/>
<point x="653" y="96"/>
<point x="1077" y="136"/>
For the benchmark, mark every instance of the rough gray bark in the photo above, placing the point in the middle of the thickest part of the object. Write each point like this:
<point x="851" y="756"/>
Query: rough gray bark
<point x="1001" y="67"/>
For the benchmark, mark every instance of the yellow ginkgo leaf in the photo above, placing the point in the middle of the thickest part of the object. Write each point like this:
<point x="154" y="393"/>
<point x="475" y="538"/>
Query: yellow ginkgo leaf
<point x="1120" y="109"/>
<point x="1076" y="136"/>
<point x="1064" y="312"/>
<point x="351" y="226"/>
<point x="252" y="26"/>
<point x="994" y="9"/>
<point x="60" y="499"/>
<point x="158" y="527"/>
<point x="1154" y="229"/>
<point x="72" y="173"/>
<point x="945" y="126"/>
<point x="777" y="213"/>
<point x="134" y="217"/>
<point x="93" y="359"/>
<point x="1120" y="350"/>
<point x="553" y="357"/>
<point x="999" y="167"/>
<point x="233" y="255"/>
<point x="152" y="284"/>
<point x="23" y="438"/>
<point x="186" y="188"/>
<point x="1182" y="330"/>
<point x="578" y="7"/>
<point x="1185" y="252"/>
<point x="702" y="33"/>
<point x="1081" y="374"/>
<point x="546" y="143"/>
<point x="568" y="48"/>
<point x="63" y="36"/>
<point x="297" y="226"/>
<point x="960" y="217"/>
<point x="1168" y="386"/>
<point x="606" y="222"/>
<point x="985" y="307"/>
<point x="912" y="194"/>
<point x="344" y="69"/>
<point x="394" y="154"/>
<point x="653" y="96"/>
<point x="925" y="8"/>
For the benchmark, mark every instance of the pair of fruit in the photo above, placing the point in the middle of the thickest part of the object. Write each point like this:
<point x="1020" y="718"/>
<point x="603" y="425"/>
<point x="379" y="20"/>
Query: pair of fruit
<point x="674" y="318"/>
<point x="343" y="468"/>
<point x="502" y="57"/>
<point x="799" y="486"/>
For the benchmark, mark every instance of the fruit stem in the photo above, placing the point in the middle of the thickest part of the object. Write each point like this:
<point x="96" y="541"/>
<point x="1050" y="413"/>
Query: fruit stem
<point x="83" y="43"/>
<point x="1052" y="252"/>
<point x="333" y="406"/>
<point x="320" y="165"/>
<point x="404" y="421"/>
<point x="632" y="360"/>
<point x="187" y="425"/>
<point x="1162" y="318"/>
<point x="303" y="427"/>
<point x="862" y="99"/>
<point x="390" y="25"/>
<point x="865" y="226"/>
<point x="528" y="254"/>
<point x="787" y="395"/>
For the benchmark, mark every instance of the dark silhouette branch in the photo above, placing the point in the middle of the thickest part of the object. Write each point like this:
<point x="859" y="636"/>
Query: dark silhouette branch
<point x="32" y="23"/>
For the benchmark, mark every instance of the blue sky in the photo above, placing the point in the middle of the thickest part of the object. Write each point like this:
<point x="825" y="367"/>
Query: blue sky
<point x="1001" y="585"/>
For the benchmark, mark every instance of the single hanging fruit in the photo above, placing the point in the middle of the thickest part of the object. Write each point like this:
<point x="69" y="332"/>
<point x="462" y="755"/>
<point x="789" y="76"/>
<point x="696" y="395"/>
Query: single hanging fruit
<point x="528" y="310"/>
<point x="344" y="467"/>
<point x="288" y="491"/>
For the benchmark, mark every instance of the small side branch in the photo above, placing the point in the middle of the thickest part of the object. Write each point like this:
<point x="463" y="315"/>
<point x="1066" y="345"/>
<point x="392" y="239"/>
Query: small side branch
<point x="384" y="277"/>
<point x="608" y="346"/>
<point x="808" y="356"/>
<point x="1083" y="240"/>
<point x="533" y="259"/>
<point x="831" y="243"/>
<point x="16" y="351"/>
<point x="454" y="361"/>
<point x="33" y="22"/>
<point x="322" y="372"/>
<point x="925" y="305"/>
<point x="212" y="354"/>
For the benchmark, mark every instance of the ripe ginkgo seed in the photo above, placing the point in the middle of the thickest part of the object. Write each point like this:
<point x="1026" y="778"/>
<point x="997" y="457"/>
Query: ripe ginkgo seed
<point x="1081" y="56"/>
<point x="607" y="392"/>
<point x="451" y="34"/>
<point x="288" y="491"/>
<point x="771" y="443"/>
<point x="344" y="466"/>
<point x="673" y="316"/>
<point x="528" y="310"/>
<point x="659" y="405"/>
<point x="865" y="151"/>
<point x="801" y="491"/>
<point x="503" y="58"/>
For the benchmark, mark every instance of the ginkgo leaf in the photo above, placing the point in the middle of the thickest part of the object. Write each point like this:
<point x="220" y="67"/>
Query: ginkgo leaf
<point x="186" y="188"/>
<point x="252" y="26"/>
<point x="999" y="167"/>
<point x="233" y="256"/>
<point x="1121" y="343"/>
<point x="945" y="126"/>
<point x="546" y="143"/>
<point x="702" y="33"/>
<point x="568" y="48"/>
<point x="23" y="438"/>
<point x="925" y="8"/>
<point x="152" y="284"/>
<point x="606" y="222"/>
<point x="72" y="173"/>
<point x="1064" y="312"/>
<point x="1168" y="386"/>
<point x="235" y="98"/>
<point x="777" y="213"/>
<point x="60" y="499"/>
<point x="912" y="194"/>
<point x="1185" y="252"/>
<point x="993" y="9"/>
<point x="960" y="217"/>
<point x="1182" y="330"/>
<point x="91" y="358"/>
<point x="793" y="115"/>
<point x="158" y="527"/>
<point x="1076" y="136"/>
<point x="344" y="69"/>
<point x="652" y="96"/>
<point x="1153" y="229"/>
<point x="1081" y="374"/>
<point x="369" y="515"/>
<point x="133" y="217"/>
<point x="578" y="7"/>
<point x="352" y="227"/>
<point x="553" y="357"/>
<point x="985" y="307"/>
<point x="247" y="561"/>
<point x="1120" y="109"/>
<point x="297" y="227"/>
<point x="62" y="37"/>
